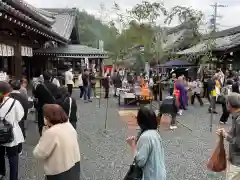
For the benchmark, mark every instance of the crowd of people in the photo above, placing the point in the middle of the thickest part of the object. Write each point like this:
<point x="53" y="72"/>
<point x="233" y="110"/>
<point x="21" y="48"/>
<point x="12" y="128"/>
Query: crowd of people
<point x="56" y="111"/>
<point x="57" y="122"/>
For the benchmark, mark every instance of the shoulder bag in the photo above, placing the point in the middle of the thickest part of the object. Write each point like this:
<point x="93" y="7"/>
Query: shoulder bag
<point x="70" y="107"/>
<point x="135" y="172"/>
<point x="6" y="129"/>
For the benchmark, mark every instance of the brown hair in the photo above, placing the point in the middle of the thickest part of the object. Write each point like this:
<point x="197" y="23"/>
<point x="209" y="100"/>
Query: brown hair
<point x="54" y="114"/>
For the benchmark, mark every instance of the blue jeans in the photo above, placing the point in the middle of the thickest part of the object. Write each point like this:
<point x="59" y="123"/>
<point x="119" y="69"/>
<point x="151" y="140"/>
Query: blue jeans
<point x="87" y="92"/>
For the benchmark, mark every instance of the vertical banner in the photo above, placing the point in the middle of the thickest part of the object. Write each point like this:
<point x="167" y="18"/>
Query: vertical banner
<point x="23" y="51"/>
<point x="86" y="62"/>
<point x="1" y="53"/>
<point x="31" y="52"/>
<point x="9" y="51"/>
<point x="4" y="50"/>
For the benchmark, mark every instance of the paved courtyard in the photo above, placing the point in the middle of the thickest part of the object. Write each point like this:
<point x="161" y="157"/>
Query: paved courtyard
<point x="105" y="155"/>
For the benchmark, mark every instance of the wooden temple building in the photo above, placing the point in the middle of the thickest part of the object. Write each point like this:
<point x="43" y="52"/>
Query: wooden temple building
<point x="32" y="40"/>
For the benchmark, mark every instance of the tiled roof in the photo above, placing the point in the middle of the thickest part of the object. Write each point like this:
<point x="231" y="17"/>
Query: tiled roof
<point x="64" y="21"/>
<point x="31" y="11"/>
<point x="71" y="50"/>
<point x="16" y="16"/>
<point x="219" y="44"/>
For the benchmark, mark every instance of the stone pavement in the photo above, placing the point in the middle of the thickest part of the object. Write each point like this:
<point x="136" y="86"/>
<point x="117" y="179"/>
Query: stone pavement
<point x="105" y="155"/>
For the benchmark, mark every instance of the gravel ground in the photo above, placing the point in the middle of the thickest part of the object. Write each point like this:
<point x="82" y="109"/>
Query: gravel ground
<point x="105" y="155"/>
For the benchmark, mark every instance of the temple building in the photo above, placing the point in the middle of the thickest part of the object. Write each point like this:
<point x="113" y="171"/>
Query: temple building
<point x="33" y="39"/>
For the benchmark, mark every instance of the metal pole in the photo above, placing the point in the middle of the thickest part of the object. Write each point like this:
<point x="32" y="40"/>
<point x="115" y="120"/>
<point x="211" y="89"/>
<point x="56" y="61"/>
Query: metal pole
<point x="99" y="99"/>
<point x="106" y="117"/>
<point x="211" y="116"/>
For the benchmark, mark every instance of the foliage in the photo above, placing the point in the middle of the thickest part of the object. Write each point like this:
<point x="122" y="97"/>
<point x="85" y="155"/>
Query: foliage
<point x="92" y="29"/>
<point x="147" y="12"/>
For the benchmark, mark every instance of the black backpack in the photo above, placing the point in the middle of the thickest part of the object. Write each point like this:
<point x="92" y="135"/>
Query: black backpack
<point x="6" y="129"/>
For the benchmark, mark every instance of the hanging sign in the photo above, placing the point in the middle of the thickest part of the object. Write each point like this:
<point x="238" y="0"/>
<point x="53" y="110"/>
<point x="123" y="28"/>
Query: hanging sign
<point x="31" y="52"/>
<point x="12" y="51"/>
<point x="86" y="62"/>
<point x="4" y="50"/>
<point x="9" y="51"/>
<point x="1" y="54"/>
<point x="22" y="51"/>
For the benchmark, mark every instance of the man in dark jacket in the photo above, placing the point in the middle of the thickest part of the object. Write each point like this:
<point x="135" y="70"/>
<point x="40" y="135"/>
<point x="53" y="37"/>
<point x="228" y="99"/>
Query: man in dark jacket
<point x="106" y="85"/>
<point x="233" y="136"/>
<point x="235" y="86"/>
<point x="45" y="93"/>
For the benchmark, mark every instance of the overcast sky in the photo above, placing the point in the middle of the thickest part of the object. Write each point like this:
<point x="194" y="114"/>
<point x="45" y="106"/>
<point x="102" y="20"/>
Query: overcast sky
<point x="230" y="15"/>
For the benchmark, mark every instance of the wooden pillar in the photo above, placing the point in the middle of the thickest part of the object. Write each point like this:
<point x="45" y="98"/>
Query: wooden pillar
<point x="17" y="61"/>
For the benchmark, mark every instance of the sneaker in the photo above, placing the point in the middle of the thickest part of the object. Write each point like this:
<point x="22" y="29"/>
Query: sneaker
<point x="89" y="100"/>
<point x="180" y="112"/>
<point x="173" y="127"/>
<point x="222" y="122"/>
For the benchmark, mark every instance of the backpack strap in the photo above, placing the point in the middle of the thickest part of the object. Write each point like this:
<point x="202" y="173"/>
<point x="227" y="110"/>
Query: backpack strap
<point x="10" y="108"/>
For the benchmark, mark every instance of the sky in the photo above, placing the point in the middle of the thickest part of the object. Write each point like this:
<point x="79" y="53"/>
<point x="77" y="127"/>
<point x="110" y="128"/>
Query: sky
<point x="229" y="15"/>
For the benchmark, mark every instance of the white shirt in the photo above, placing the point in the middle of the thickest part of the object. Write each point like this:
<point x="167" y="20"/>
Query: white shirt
<point x="69" y="77"/>
<point x="80" y="81"/>
<point x="13" y="117"/>
<point x="56" y="82"/>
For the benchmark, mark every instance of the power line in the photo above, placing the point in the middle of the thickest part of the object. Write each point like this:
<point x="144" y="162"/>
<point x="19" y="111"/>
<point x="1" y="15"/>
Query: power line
<point x="215" y="15"/>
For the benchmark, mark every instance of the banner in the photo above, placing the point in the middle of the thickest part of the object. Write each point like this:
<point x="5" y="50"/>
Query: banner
<point x="1" y="54"/>
<point x="4" y="50"/>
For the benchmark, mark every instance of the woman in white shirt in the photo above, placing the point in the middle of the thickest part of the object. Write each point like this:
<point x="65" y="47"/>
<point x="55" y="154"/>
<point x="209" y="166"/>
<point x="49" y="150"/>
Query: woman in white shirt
<point x="12" y="111"/>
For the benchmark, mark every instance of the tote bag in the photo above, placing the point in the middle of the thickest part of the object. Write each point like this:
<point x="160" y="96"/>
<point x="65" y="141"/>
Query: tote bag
<point x="218" y="162"/>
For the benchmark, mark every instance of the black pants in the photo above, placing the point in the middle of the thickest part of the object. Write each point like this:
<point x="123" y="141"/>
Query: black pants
<point x="106" y="92"/>
<point x="225" y="114"/>
<point x="173" y="115"/>
<point x="81" y="91"/>
<point x="171" y="91"/>
<point x="70" y="87"/>
<point x="198" y="97"/>
<point x="71" y="174"/>
<point x="13" y="158"/>
<point x="212" y="106"/>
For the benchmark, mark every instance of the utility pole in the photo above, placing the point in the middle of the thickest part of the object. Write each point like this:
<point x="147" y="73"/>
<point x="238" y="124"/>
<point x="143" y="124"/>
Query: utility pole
<point x="215" y="16"/>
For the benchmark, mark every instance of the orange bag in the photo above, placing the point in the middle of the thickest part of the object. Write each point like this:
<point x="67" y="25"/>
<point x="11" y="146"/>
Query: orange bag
<point x="218" y="161"/>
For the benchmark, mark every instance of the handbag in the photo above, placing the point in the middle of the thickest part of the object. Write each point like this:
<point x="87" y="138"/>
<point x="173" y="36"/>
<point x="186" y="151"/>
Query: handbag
<point x="135" y="172"/>
<point x="6" y="129"/>
<point x="221" y="99"/>
<point x="218" y="161"/>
